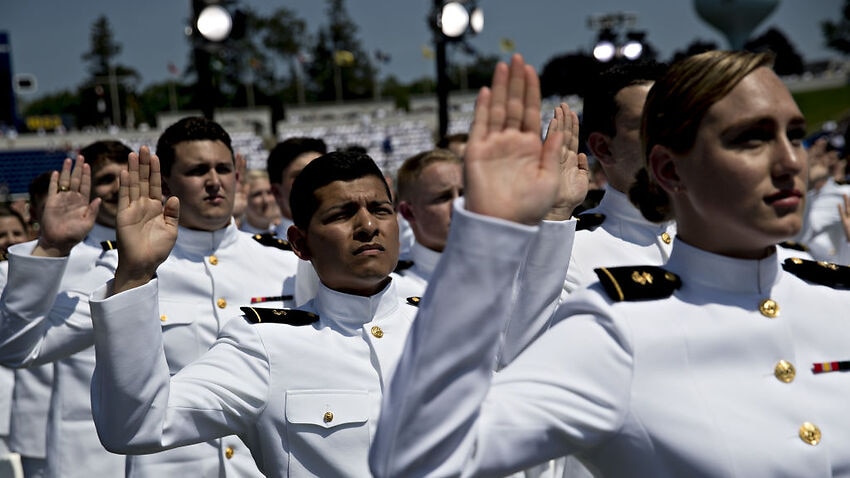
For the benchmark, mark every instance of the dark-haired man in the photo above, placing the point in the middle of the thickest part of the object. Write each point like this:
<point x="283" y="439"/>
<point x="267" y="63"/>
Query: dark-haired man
<point x="212" y="270"/>
<point x="285" y="161"/>
<point x="301" y="387"/>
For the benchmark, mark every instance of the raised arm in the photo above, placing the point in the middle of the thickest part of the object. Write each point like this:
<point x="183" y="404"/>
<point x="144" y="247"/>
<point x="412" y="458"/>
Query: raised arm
<point x="147" y="227"/>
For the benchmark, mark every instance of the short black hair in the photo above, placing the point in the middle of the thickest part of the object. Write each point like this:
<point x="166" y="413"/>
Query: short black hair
<point x="191" y="128"/>
<point x="100" y="152"/>
<point x="335" y="166"/>
<point x="285" y="152"/>
<point x="600" y="107"/>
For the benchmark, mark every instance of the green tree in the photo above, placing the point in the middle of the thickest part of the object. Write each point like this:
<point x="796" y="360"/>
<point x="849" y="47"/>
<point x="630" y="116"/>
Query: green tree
<point x="109" y="83"/>
<point x="837" y="34"/>
<point x="340" y="69"/>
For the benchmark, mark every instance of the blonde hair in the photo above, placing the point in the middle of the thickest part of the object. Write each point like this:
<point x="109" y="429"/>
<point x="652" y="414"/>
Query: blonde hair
<point x="413" y="166"/>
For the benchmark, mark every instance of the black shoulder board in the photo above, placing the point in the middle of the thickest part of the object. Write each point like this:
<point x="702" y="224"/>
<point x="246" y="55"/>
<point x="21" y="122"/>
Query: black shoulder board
<point x="632" y="283"/>
<point x="403" y="265"/>
<point x="794" y="245"/>
<point x="269" y="239"/>
<point x="3" y="256"/>
<point x="819" y="272"/>
<point x="257" y="315"/>
<point x="589" y="221"/>
<point x="109" y="245"/>
<point x="414" y="301"/>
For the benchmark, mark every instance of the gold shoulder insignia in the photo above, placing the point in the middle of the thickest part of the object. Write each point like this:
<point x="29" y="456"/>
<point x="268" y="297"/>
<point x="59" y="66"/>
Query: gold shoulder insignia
<point x="403" y="265"/>
<point x="109" y="245"/>
<point x="589" y="221"/>
<point x="270" y="240"/>
<point x="633" y="283"/>
<point x="797" y="246"/>
<point x="258" y="315"/>
<point x="414" y="301"/>
<point x="819" y="272"/>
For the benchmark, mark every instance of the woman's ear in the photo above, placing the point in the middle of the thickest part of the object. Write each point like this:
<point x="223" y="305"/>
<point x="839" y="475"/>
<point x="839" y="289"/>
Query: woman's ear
<point x="298" y="241"/>
<point x="662" y="166"/>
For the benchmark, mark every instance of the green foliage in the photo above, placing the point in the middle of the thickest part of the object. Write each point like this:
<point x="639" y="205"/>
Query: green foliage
<point x="832" y="104"/>
<point x="837" y="34"/>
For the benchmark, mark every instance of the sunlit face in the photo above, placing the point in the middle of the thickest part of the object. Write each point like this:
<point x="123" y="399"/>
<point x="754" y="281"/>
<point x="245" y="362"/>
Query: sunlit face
<point x="352" y="238"/>
<point x="105" y="186"/>
<point x="625" y="145"/>
<point x="743" y="182"/>
<point x="282" y="190"/>
<point x="12" y="231"/>
<point x="262" y="208"/>
<point x="429" y="207"/>
<point x="204" y="178"/>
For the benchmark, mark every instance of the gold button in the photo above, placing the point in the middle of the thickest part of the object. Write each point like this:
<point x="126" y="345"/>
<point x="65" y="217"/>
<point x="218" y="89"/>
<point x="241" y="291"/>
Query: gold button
<point x="377" y="332"/>
<point x="221" y="303"/>
<point x="810" y="433"/>
<point x="785" y="371"/>
<point x="228" y="452"/>
<point x="214" y="260"/>
<point x="329" y="417"/>
<point x="769" y="308"/>
<point x="163" y="318"/>
<point x="666" y="238"/>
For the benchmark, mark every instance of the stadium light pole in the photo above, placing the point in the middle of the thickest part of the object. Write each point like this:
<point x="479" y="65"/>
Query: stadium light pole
<point x="450" y="21"/>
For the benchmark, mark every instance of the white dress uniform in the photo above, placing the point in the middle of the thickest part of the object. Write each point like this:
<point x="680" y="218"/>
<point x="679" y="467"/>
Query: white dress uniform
<point x="305" y="399"/>
<point x="823" y="232"/>
<point x="42" y="325"/>
<point x="716" y="378"/>
<point x="414" y="279"/>
<point x="625" y="237"/>
<point x="30" y="412"/>
<point x="7" y="386"/>
<point x="208" y="275"/>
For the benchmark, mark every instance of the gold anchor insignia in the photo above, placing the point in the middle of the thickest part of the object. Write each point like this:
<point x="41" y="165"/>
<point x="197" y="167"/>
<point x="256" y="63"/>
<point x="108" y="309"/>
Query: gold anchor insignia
<point x="279" y="312"/>
<point x="642" y="278"/>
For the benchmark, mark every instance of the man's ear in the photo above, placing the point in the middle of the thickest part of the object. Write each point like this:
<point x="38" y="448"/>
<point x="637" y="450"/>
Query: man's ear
<point x="662" y="165"/>
<point x="406" y="211"/>
<point x="298" y="241"/>
<point x="598" y="144"/>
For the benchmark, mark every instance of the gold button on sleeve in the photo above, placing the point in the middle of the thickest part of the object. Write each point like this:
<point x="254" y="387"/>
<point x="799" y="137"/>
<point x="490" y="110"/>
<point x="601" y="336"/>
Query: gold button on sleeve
<point x="213" y="260"/>
<point x="328" y="417"/>
<point x="810" y="433"/>
<point x="377" y="332"/>
<point x="221" y="303"/>
<point x="785" y="371"/>
<point x="228" y="452"/>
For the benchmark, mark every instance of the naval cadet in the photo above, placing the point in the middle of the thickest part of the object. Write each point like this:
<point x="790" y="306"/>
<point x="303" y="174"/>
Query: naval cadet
<point x="646" y="372"/>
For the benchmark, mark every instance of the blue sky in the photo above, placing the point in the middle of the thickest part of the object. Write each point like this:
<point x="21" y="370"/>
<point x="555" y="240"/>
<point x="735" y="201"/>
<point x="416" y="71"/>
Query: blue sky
<point x="49" y="36"/>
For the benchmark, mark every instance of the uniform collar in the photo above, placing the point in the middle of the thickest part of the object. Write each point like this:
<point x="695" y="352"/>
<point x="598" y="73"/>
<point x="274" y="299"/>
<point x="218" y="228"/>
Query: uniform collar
<point x="350" y="312"/>
<point x="702" y="269"/>
<point x="204" y="243"/>
<point x="615" y="204"/>
<point x="280" y="229"/>
<point x="424" y="260"/>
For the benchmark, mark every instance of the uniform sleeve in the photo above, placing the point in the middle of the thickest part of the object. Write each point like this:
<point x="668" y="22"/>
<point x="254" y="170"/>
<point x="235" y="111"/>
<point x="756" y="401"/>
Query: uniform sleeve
<point x="447" y="413"/>
<point x="451" y="350"/>
<point x="139" y="408"/>
<point x="32" y="308"/>
<point x="538" y="287"/>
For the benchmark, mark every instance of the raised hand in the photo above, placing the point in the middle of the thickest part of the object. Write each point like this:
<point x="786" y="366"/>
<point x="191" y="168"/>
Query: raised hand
<point x="240" y="202"/>
<point x="509" y="172"/>
<point x="147" y="227"/>
<point x="575" y="173"/>
<point x="68" y="215"/>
